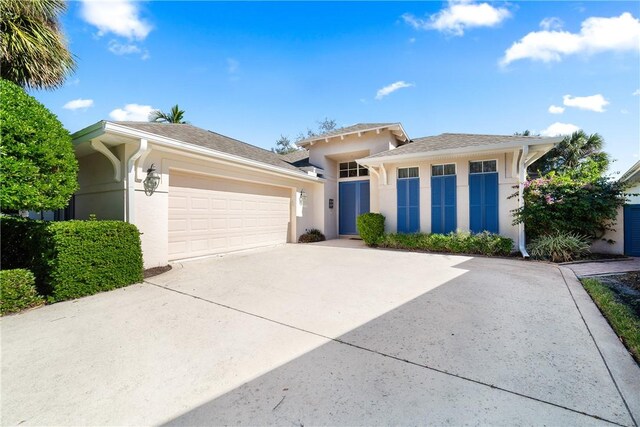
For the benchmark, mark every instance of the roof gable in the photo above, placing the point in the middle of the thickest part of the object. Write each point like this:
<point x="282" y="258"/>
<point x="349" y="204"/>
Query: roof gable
<point x="359" y="128"/>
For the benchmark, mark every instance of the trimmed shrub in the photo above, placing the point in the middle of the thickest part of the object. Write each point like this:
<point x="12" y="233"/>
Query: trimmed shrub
<point x="38" y="164"/>
<point x="559" y="247"/>
<point x="484" y="243"/>
<point x="311" y="236"/>
<point x="371" y="227"/>
<point x="18" y="291"/>
<point x="72" y="259"/>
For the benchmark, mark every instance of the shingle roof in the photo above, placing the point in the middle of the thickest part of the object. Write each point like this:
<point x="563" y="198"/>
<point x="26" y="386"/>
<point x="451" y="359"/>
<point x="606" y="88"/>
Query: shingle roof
<point x="193" y="135"/>
<point x="298" y="158"/>
<point x="449" y="141"/>
<point x="348" y="129"/>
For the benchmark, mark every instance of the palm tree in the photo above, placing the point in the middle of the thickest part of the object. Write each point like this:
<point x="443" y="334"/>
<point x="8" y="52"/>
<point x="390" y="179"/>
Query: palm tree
<point x="33" y="51"/>
<point x="572" y="151"/>
<point x="176" y="115"/>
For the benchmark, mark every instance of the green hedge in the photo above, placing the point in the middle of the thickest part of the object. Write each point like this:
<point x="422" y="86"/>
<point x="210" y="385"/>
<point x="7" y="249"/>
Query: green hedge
<point x="371" y="227"/>
<point x="71" y="259"/>
<point x="465" y="243"/>
<point x="17" y="291"/>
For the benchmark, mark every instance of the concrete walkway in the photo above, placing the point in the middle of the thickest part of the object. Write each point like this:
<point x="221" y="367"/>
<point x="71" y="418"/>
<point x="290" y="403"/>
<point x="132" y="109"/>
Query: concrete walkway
<point x="598" y="268"/>
<point x="333" y="334"/>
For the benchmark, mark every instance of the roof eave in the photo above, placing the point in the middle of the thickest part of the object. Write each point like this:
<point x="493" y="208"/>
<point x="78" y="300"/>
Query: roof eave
<point x="632" y="175"/>
<point x="103" y="127"/>
<point x="310" y="141"/>
<point x="374" y="161"/>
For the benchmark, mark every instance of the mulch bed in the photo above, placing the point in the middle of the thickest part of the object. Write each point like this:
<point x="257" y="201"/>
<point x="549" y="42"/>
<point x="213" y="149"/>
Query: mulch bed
<point x="150" y="272"/>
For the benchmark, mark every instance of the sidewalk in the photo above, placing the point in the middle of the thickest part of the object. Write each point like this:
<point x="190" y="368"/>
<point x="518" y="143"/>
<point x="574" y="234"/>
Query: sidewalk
<point x="598" y="268"/>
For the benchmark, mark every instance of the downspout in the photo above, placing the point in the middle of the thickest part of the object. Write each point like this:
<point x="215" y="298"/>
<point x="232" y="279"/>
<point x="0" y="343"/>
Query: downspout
<point x="131" y="181"/>
<point x="521" y="178"/>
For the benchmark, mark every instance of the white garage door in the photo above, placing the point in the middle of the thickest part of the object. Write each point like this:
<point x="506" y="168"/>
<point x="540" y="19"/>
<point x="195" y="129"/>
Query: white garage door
<point x="214" y="215"/>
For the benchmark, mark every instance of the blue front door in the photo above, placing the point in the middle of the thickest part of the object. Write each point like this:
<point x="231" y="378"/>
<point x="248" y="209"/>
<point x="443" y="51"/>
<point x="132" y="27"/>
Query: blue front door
<point x="483" y="202"/>
<point x="443" y="204"/>
<point x="632" y="230"/>
<point x="408" y="205"/>
<point x="353" y="201"/>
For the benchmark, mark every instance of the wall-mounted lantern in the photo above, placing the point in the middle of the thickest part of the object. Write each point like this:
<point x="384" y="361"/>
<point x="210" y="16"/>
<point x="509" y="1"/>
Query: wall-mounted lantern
<point x="303" y="196"/>
<point x="152" y="180"/>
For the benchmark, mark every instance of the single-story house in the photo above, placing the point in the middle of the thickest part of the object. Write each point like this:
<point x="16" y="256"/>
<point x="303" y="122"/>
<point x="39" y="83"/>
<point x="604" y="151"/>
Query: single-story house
<point x="217" y="194"/>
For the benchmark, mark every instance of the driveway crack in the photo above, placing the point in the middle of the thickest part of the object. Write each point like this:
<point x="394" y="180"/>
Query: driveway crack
<point x="390" y="356"/>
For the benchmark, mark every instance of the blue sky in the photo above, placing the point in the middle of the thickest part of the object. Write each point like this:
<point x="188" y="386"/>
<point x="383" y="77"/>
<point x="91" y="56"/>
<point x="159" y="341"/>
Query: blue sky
<point x="254" y="71"/>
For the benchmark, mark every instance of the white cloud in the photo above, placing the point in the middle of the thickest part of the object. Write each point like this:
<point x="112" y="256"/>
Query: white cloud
<point x="592" y="103"/>
<point x="621" y="33"/>
<point x="132" y="112"/>
<point x="554" y="109"/>
<point x="78" y="104"/>
<point x="636" y="93"/>
<point x="120" y="17"/>
<point x="551" y="23"/>
<point x="459" y="16"/>
<point x="558" y="128"/>
<point x="392" y="88"/>
<point x="122" y="49"/>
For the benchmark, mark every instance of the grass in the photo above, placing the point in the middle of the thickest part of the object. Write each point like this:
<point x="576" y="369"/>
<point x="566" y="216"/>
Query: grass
<point x="622" y="319"/>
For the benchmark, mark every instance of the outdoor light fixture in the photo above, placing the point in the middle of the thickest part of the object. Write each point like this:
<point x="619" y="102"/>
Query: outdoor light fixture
<point x="152" y="180"/>
<point x="303" y="196"/>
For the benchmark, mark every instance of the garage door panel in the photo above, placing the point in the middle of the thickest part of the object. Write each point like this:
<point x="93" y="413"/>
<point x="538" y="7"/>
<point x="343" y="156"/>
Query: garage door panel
<point x="209" y="218"/>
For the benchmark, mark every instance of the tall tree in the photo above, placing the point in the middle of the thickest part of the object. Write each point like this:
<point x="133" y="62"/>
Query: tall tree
<point x="175" y="115"/>
<point x="39" y="168"/>
<point x="576" y="153"/>
<point x="284" y="145"/>
<point x="33" y="50"/>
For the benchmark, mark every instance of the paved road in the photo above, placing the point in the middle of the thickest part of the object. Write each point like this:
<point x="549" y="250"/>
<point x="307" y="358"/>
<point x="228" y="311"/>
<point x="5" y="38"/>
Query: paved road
<point x="329" y="333"/>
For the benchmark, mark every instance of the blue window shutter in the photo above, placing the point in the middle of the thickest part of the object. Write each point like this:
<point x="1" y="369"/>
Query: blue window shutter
<point x="414" y="205"/>
<point x="403" y="195"/>
<point x="491" y="202"/>
<point x="475" y="202"/>
<point x="483" y="202"/>
<point x="437" y="209"/>
<point x="450" y="208"/>
<point x="408" y="191"/>
<point x="347" y="207"/>
<point x="443" y="204"/>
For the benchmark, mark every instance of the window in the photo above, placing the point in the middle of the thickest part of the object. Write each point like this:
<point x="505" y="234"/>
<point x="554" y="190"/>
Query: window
<point x="483" y="166"/>
<point x="440" y="170"/>
<point x="352" y="169"/>
<point x="407" y="173"/>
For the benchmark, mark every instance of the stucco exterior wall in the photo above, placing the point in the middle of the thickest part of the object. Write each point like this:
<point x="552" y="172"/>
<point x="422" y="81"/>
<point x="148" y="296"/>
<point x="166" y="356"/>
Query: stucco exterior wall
<point x="616" y="235"/>
<point x="152" y="211"/>
<point x="99" y="192"/>
<point x="327" y="155"/>
<point x="387" y="194"/>
<point x="634" y="189"/>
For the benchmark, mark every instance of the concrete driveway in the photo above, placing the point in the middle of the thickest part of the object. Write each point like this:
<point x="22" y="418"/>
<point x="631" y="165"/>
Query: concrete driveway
<point x="329" y="333"/>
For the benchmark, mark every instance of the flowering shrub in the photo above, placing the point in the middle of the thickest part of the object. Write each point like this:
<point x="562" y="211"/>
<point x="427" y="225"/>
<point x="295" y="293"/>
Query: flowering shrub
<point x="562" y="203"/>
